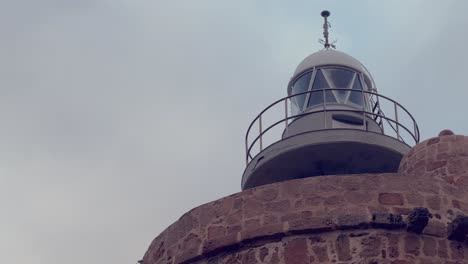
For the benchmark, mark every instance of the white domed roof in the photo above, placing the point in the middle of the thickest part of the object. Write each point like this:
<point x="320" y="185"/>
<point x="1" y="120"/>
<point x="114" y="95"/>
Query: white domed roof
<point x="330" y="57"/>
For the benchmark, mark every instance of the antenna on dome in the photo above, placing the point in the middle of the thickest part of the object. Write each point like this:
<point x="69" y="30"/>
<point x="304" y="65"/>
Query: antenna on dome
<point x="326" y="25"/>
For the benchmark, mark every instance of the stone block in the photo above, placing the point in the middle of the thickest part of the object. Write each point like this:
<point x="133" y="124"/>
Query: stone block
<point x="442" y="250"/>
<point x="412" y="244"/>
<point x="352" y="221"/>
<point x="311" y="224"/>
<point x="435" y="228"/>
<point x="433" y="141"/>
<point x="263" y="231"/>
<point x="415" y="199"/>
<point x="433" y="202"/>
<point x="295" y="251"/>
<point x="214" y="244"/>
<point x="215" y="232"/>
<point x="390" y="199"/>
<point x="370" y="246"/>
<point x="429" y="246"/>
<point x="343" y="248"/>
<point x="322" y="253"/>
<point x="267" y="195"/>
<point x="387" y="221"/>
<point x="278" y="206"/>
<point x="189" y="249"/>
<point x="436" y="164"/>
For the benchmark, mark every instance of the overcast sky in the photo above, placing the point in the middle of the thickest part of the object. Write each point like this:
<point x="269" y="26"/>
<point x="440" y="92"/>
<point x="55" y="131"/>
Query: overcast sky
<point x="117" y="116"/>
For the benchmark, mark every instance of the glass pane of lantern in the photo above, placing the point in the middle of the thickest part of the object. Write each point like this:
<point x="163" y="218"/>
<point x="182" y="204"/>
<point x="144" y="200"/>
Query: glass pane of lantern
<point x="356" y="97"/>
<point x="341" y="79"/>
<point x="368" y="83"/>
<point x="301" y="85"/>
<point x="320" y="83"/>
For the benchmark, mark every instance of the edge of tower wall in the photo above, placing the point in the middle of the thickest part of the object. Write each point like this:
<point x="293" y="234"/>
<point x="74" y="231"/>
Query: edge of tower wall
<point x="415" y="216"/>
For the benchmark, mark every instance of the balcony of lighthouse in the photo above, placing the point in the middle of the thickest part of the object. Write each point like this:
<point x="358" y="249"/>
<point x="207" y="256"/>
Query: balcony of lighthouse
<point x="332" y="122"/>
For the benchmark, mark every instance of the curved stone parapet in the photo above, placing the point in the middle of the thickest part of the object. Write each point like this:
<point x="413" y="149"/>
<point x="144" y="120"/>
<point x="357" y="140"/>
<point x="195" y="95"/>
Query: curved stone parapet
<point x="444" y="157"/>
<point x="415" y="216"/>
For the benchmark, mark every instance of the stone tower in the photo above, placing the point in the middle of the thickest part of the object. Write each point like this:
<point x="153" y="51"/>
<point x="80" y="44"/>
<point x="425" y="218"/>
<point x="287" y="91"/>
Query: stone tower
<point x="339" y="183"/>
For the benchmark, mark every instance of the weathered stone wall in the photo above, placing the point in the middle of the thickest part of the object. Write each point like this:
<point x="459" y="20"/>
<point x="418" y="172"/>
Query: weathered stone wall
<point x="373" y="218"/>
<point x="359" y="246"/>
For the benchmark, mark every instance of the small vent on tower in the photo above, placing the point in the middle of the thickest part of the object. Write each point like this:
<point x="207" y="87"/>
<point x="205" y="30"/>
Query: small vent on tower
<point x="347" y="119"/>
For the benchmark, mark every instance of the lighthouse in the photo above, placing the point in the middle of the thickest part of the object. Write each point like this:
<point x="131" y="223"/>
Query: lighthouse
<point x="338" y="175"/>
<point x="335" y="122"/>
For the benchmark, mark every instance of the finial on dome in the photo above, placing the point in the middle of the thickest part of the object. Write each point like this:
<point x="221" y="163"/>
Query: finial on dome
<point x="326" y="25"/>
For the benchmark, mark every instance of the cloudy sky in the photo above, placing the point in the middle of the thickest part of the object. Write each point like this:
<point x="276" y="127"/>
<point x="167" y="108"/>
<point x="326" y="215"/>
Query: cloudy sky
<point x="117" y="116"/>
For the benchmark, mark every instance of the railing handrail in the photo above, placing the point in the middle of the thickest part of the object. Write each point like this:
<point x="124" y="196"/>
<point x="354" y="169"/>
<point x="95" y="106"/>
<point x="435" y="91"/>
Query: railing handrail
<point x="380" y="114"/>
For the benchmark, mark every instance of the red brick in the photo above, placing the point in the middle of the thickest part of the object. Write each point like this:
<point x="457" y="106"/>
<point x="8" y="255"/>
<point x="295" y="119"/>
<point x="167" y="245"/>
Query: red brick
<point x="390" y="199"/>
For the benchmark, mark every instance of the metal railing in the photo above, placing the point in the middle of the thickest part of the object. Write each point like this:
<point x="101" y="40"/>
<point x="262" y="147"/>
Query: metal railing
<point x="393" y="124"/>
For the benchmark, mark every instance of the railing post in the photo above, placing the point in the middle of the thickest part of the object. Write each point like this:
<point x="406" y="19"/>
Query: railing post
<point x="286" y="112"/>
<point x="260" y="134"/>
<point x="364" y="110"/>
<point x="324" y="109"/>
<point x="416" y="136"/>
<point x="246" y="151"/>
<point x="377" y="101"/>
<point x="396" y="120"/>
